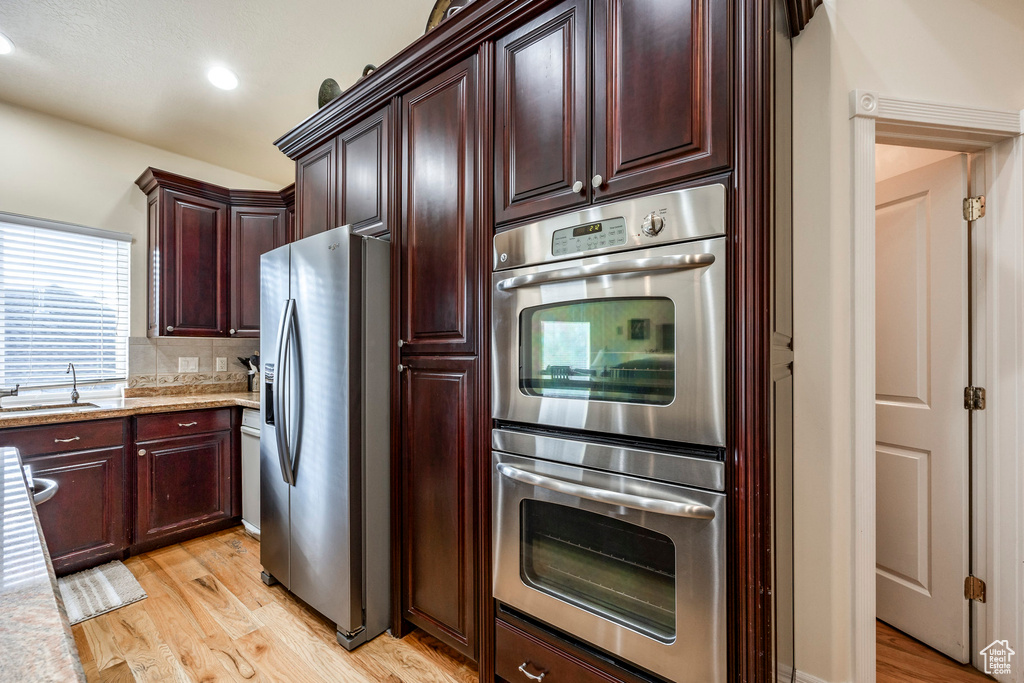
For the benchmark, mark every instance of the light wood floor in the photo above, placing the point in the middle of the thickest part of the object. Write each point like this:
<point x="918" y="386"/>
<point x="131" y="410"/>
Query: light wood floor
<point x="210" y="618"/>
<point x="901" y="659"/>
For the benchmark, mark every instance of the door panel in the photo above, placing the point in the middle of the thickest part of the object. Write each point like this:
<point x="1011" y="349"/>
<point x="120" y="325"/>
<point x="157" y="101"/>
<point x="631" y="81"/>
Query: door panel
<point x="183" y="482"/>
<point x="661" y="85"/>
<point x="316" y="190"/>
<point x="438" y="588"/>
<point x="84" y="522"/>
<point x="194" y="258"/>
<point x="541" y="132"/>
<point x="921" y="372"/>
<point x="364" y="163"/>
<point x="438" y="268"/>
<point x="254" y="232"/>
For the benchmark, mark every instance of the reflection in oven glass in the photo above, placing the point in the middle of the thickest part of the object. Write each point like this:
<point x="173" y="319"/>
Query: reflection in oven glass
<point x="620" y="571"/>
<point x="620" y="350"/>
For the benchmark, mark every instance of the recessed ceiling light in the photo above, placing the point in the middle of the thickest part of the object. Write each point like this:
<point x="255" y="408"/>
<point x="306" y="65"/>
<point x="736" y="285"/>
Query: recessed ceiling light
<point x="6" y="46"/>
<point x="223" y="78"/>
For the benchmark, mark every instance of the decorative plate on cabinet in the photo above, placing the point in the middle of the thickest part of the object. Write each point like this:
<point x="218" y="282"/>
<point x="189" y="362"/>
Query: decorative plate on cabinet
<point x="442" y="10"/>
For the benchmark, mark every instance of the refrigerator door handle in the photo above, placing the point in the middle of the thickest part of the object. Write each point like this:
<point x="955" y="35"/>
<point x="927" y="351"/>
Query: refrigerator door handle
<point x="283" y="338"/>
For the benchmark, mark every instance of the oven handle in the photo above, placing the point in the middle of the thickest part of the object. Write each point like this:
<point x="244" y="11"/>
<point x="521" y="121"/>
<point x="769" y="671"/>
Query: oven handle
<point x="632" y="266"/>
<point x="665" y="507"/>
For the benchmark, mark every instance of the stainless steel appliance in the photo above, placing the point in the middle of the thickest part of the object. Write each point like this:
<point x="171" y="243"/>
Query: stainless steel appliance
<point x="623" y="548"/>
<point x="324" y="443"/>
<point x="612" y="319"/>
<point x="251" y="471"/>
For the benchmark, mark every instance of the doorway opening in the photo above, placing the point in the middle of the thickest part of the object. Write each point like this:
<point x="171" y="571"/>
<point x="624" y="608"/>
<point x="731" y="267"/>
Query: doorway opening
<point x="925" y="265"/>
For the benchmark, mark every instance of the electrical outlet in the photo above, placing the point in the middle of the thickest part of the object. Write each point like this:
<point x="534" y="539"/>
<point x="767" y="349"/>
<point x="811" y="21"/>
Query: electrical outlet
<point x="188" y="364"/>
<point x="222" y="364"/>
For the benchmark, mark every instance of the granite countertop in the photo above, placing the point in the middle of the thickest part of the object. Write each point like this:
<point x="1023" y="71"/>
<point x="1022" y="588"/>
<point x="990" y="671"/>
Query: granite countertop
<point x="35" y="639"/>
<point x="123" y="407"/>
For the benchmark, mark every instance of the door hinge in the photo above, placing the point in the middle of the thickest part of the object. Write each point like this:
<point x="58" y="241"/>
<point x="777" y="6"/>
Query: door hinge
<point x="974" y="208"/>
<point x="974" y="589"/>
<point x="974" y="398"/>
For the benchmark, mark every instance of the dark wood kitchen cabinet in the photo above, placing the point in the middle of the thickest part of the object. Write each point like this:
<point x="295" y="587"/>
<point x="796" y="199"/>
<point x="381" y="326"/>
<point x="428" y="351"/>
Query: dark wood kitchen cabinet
<point x="363" y="164"/>
<point x="541" y="111"/>
<point x="205" y="243"/>
<point x="84" y="522"/>
<point x="316" y="190"/>
<point x="189" y="275"/>
<point x="438" y="260"/>
<point x="255" y="230"/>
<point x="187" y="479"/>
<point x="660" y="102"/>
<point x="438" y="420"/>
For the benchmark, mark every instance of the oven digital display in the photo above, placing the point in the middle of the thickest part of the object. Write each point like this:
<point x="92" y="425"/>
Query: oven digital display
<point x="587" y="230"/>
<point x="588" y="237"/>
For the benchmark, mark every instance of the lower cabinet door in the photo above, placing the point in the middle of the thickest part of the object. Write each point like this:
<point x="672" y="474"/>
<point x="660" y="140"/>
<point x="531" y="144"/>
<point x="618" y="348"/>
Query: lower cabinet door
<point x="83" y="523"/>
<point x="438" y="528"/>
<point x="184" y="485"/>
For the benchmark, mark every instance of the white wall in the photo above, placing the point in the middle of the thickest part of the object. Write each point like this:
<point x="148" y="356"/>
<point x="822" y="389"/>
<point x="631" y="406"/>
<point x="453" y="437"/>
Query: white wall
<point x="52" y="168"/>
<point x="953" y="51"/>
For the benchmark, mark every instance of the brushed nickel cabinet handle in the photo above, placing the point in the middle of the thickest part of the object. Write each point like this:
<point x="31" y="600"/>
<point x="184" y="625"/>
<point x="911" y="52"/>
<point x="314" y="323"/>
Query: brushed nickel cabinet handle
<point x="188" y="424"/>
<point x="74" y="438"/>
<point x="170" y="328"/>
<point x="532" y="677"/>
<point x="142" y="452"/>
<point x="231" y="331"/>
<point x="597" y="181"/>
<point x="577" y="187"/>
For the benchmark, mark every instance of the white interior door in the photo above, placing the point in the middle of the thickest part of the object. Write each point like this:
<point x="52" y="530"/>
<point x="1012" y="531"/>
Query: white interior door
<point x="921" y="372"/>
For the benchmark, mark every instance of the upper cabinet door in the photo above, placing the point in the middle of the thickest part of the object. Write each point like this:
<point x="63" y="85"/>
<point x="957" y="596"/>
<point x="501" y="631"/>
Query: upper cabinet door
<point x="662" y="107"/>
<point x="438" y="261"/>
<point x="193" y="275"/>
<point x="316" y="198"/>
<point x="540" y="135"/>
<point x="363" y="158"/>
<point x="254" y="232"/>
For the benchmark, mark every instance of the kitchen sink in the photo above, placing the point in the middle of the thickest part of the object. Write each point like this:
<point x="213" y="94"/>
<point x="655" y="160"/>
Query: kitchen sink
<point x="43" y="407"/>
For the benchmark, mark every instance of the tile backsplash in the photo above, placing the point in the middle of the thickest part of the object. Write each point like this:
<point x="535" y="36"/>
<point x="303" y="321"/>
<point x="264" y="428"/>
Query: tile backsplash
<point x="153" y="364"/>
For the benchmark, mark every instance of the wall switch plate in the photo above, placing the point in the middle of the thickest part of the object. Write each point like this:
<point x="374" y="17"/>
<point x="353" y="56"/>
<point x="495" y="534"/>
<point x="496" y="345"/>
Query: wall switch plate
<point x="222" y="364"/>
<point x="188" y="364"/>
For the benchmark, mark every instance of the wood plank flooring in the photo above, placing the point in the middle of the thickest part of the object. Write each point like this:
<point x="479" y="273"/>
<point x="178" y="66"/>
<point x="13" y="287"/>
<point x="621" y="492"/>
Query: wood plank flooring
<point x="210" y="618"/>
<point x="901" y="659"/>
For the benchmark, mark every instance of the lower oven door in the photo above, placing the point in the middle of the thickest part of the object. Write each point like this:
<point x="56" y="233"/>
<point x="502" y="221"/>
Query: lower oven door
<point x="634" y="567"/>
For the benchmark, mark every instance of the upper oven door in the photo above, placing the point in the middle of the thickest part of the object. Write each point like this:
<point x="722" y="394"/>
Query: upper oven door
<point x="629" y="343"/>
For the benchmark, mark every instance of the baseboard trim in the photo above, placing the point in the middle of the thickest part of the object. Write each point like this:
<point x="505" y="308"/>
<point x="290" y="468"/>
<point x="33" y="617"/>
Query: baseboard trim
<point x="802" y="677"/>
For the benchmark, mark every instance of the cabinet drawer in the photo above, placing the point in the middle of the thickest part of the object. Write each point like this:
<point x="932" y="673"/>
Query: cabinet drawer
<point x="181" y="424"/>
<point x="515" y="648"/>
<point x="65" y="437"/>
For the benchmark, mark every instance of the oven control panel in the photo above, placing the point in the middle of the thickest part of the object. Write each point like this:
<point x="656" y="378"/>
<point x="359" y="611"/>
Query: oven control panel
<point x="610" y="232"/>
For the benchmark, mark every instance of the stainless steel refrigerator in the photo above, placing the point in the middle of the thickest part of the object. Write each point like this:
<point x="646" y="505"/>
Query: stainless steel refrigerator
<point x="325" y="432"/>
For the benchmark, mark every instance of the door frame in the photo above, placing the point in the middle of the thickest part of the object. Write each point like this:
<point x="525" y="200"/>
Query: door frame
<point x="995" y="136"/>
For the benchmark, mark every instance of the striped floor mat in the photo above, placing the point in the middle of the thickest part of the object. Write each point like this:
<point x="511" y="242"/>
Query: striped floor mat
<point x="99" y="590"/>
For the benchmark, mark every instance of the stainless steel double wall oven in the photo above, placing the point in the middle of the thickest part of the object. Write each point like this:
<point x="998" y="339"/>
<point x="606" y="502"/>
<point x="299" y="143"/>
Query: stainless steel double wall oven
<point x="608" y="334"/>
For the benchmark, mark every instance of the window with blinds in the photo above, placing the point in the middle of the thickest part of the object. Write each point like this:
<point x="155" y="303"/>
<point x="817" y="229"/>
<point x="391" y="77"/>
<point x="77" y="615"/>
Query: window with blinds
<point x="63" y="299"/>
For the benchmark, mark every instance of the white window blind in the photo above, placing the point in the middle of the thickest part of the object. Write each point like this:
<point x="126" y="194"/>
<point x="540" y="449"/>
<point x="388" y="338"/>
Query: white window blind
<point x="63" y="298"/>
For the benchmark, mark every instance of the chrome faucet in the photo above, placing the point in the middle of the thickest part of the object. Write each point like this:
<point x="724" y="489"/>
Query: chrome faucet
<point x="74" y="382"/>
<point x="4" y="393"/>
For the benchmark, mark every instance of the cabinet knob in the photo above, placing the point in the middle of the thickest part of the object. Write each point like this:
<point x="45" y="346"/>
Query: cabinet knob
<point x="170" y="328"/>
<point x="401" y="368"/>
<point x="577" y="187"/>
<point x="142" y="452"/>
<point x="401" y="343"/>
<point x="231" y="331"/>
<point x="597" y="181"/>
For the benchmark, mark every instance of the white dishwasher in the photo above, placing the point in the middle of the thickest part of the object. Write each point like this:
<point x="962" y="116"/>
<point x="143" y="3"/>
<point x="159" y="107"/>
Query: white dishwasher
<point x="251" y="471"/>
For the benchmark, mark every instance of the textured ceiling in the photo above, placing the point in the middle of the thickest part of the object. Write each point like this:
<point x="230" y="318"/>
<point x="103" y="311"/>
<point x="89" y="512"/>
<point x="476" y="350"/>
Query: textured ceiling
<point x="137" y="68"/>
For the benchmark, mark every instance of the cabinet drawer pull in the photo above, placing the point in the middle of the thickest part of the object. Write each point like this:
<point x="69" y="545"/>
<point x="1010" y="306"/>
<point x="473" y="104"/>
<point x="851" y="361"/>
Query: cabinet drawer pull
<point x="188" y="424"/>
<point x="142" y="452"/>
<point x="74" y="438"/>
<point x="532" y="677"/>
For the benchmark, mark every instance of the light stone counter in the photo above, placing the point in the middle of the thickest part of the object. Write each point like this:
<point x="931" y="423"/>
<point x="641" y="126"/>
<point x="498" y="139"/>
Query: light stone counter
<point x="35" y="639"/>
<point x="124" y="407"/>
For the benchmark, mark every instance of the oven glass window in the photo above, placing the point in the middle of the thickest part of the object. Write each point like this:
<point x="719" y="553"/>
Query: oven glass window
<point x="614" y="569"/>
<point x="620" y="350"/>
